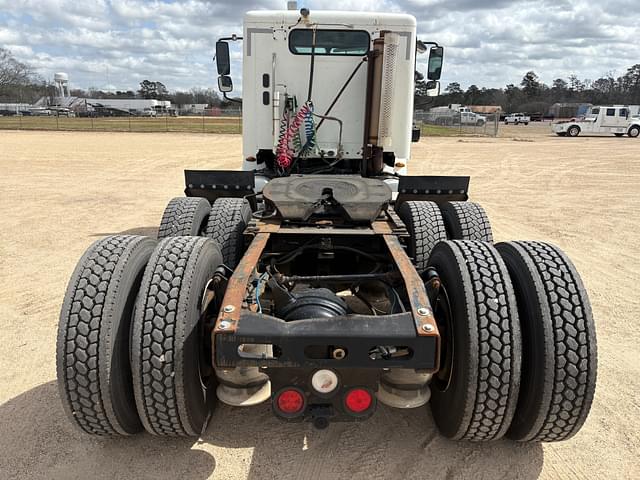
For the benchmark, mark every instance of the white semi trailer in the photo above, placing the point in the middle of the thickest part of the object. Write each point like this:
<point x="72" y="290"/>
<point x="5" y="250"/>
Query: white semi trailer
<point x="319" y="278"/>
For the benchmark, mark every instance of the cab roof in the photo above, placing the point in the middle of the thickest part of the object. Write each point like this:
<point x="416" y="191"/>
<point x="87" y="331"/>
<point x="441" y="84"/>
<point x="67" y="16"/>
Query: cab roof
<point x="337" y="18"/>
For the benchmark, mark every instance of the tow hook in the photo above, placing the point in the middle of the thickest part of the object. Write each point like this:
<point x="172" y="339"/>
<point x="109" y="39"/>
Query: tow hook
<point x="320" y="416"/>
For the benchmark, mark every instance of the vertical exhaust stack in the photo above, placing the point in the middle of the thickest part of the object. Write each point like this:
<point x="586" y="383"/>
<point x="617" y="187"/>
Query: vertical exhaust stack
<point x="374" y="90"/>
<point x="379" y="107"/>
<point x="388" y="74"/>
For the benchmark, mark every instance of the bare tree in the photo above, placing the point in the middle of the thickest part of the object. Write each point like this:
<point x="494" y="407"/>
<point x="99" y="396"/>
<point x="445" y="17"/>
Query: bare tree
<point x="12" y="72"/>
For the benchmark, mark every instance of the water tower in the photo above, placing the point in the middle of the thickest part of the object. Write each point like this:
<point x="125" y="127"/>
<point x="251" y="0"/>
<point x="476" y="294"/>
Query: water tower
<point x="61" y="81"/>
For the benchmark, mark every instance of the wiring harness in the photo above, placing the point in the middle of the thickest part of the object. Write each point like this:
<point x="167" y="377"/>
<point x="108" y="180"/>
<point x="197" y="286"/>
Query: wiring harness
<point x="289" y="143"/>
<point x="309" y="132"/>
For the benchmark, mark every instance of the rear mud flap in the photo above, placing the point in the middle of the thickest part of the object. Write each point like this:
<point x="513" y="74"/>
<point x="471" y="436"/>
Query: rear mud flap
<point x="213" y="184"/>
<point x="432" y="188"/>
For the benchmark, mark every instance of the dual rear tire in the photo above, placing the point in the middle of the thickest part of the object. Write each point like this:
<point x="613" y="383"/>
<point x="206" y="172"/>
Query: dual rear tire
<point x="518" y="339"/>
<point x="519" y="353"/>
<point x="131" y="339"/>
<point x="429" y="223"/>
<point x="132" y="347"/>
<point x="224" y="222"/>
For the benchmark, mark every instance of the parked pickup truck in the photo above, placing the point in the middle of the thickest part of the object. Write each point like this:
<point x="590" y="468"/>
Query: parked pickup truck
<point x="456" y="114"/>
<point x="615" y="120"/>
<point x="517" y="118"/>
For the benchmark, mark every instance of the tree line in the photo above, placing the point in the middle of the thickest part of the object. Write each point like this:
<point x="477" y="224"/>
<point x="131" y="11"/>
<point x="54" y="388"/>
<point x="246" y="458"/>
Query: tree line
<point x="534" y="96"/>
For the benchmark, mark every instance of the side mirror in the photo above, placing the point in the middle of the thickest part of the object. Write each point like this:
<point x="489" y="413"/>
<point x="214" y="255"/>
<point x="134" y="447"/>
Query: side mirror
<point x="434" y="69"/>
<point x="223" y="61"/>
<point x="225" y="84"/>
<point x="433" y="88"/>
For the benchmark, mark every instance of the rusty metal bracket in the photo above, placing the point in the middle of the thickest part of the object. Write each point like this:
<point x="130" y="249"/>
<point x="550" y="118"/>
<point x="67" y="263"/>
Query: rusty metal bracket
<point x="229" y="314"/>
<point x="265" y="226"/>
<point x="399" y="228"/>
<point x="420" y="306"/>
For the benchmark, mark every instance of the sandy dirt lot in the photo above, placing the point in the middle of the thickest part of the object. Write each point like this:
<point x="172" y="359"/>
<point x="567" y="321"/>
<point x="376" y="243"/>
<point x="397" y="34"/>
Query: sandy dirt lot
<point x="61" y="191"/>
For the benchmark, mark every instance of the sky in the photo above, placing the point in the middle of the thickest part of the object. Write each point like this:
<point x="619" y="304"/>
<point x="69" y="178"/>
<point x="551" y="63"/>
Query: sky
<point x="115" y="44"/>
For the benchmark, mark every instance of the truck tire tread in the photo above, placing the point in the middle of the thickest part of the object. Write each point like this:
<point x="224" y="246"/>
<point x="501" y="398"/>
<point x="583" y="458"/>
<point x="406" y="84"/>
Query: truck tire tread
<point x="466" y="221"/>
<point x="486" y="384"/>
<point x="560" y="350"/>
<point x="426" y="228"/>
<point x="184" y="216"/>
<point x="228" y="219"/>
<point x="93" y="370"/>
<point x="163" y="374"/>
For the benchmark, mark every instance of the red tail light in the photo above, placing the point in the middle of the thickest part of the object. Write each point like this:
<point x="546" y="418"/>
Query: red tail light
<point x="290" y="401"/>
<point x="358" y="400"/>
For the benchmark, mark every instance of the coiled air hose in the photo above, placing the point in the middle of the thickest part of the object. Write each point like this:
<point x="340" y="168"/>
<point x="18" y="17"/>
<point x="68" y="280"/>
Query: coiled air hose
<point x="284" y="151"/>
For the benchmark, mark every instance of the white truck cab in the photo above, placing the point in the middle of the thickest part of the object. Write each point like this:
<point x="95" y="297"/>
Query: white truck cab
<point x="468" y="117"/>
<point x="615" y="119"/>
<point x="327" y="92"/>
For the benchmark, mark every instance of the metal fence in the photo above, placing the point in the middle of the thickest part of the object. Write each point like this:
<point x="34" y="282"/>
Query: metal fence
<point x="221" y="121"/>
<point x="453" y="123"/>
<point x="230" y="121"/>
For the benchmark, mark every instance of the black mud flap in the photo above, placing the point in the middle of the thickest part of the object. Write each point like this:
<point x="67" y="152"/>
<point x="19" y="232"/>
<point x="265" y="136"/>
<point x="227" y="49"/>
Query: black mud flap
<point x="213" y="184"/>
<point x="415" y="134"/>
<point x="432" y="188"/>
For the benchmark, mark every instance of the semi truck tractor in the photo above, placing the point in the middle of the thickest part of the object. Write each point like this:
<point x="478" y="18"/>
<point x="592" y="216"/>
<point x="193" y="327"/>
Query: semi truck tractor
<point x="614" y="119"/>
<point x="319" y="277"/>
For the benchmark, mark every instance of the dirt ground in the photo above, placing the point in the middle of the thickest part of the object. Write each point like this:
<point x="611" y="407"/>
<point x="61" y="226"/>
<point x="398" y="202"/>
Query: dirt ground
<point x="61" y="191"/>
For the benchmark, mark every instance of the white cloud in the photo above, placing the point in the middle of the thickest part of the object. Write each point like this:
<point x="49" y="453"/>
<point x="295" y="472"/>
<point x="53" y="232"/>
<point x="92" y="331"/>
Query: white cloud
<point x="487" y="42"/>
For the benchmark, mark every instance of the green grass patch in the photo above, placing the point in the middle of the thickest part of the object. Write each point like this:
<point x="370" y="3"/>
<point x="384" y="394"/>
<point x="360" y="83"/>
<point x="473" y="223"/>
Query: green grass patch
<point x="225" y="125"/>
<point x="439" y="131"/>
<point x="230" y="125"/>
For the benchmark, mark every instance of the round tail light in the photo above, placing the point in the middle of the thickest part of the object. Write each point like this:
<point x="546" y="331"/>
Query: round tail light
<point x="358" y="400"/>
<point x="290" y="401"/>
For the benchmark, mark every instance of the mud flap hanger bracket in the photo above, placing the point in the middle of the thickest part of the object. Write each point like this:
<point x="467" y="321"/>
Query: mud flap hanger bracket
<point x="432" y="188"/>
<point x="213" y="184"/>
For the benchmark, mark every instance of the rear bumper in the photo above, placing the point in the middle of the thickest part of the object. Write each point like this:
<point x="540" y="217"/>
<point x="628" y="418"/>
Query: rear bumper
<point x="298" y="343"/>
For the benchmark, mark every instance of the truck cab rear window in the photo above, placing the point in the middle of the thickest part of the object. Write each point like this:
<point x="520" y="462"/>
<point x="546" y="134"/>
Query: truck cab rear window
<point x="329" y="42"/>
